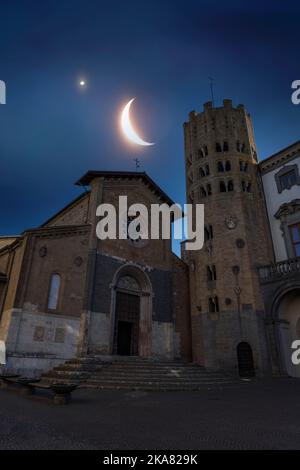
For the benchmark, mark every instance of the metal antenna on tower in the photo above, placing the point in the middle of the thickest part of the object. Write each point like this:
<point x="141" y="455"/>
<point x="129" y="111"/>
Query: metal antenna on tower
<point x="212" y="90"/>
<point x="137" y="163"/>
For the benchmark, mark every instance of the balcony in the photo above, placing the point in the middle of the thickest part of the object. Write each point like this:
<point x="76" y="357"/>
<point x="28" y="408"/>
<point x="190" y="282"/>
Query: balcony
<point x="281" y="270"/>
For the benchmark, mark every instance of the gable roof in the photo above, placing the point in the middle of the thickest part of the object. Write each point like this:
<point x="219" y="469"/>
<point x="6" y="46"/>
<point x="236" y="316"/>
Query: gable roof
<point x="65" y="208"/>
<point x="86" y="179"/>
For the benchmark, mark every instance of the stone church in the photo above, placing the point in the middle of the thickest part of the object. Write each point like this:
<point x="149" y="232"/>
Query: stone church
<point x="64" y="293"/>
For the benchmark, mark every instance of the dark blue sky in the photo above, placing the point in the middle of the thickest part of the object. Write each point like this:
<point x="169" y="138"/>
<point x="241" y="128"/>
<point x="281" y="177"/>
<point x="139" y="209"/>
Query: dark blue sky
<point x="162" y="53"/>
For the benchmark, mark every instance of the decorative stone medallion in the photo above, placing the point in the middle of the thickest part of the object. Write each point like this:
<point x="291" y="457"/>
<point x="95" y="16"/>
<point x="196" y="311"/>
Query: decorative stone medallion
<point x="78" y="261"/>
<point x="231" y="222"/>
<point x="240" y="243"/>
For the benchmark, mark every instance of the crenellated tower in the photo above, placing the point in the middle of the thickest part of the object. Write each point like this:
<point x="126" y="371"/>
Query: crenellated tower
<point x="222" y="173"/>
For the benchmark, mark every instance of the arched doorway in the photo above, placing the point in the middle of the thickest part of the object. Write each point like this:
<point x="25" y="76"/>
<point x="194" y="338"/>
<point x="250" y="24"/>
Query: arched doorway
<point x="288" y="329"/>
<point x="245" y="360"/>
<point x="131" y="312"/>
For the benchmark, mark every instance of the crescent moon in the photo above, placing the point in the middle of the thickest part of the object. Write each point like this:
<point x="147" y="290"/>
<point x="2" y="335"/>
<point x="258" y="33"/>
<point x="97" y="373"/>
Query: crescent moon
<point x="128" y="129"/>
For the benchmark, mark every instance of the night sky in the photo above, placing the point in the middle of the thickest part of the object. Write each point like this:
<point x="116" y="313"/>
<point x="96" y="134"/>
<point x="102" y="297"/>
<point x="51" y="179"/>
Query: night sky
<point x="162" y="53"/>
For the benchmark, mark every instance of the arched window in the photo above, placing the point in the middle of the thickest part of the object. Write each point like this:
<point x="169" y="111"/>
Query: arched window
<point x="208" y="232"/>
<point x="246" y="186"/>
<point x="208" y="189"/>
<point x="243" y="148"/>
<point x="200" y="153"/>
<point x="213" y="304"/>
<point x="201" y="172"/>
<point x="238" y="146"/>
<point x="202" y="192"/>
<point x="53" y="297"/>
<point x="218" y="147"/>
<point x="243" y="166"/>
<point x="225" y="146"/>
<point x="222" y="187"/>
<point x="205" y="150"/>
<point x="220" y="167"/>
<point x="227" y="166"/>
<point x="211" y="273"/>
<point x="207" y="170"/>
<point x="230" y="185"/>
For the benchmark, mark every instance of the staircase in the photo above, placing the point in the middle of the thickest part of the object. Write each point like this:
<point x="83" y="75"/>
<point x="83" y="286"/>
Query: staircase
<point x="137" y="374"/>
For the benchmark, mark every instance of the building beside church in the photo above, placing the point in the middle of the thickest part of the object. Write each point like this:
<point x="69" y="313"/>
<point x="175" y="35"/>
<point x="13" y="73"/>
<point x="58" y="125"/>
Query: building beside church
<point x="280" y="280"/>
<point x="232" y="306"/>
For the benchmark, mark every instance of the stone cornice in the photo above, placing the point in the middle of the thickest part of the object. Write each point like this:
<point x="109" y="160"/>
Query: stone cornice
<point x="59" y="230"/>
<point x="288" y="208"/>
<point x="280" y="158"/>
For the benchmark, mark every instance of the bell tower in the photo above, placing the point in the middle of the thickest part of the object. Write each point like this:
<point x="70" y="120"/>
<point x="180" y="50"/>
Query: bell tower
<point x="222" y="173"/>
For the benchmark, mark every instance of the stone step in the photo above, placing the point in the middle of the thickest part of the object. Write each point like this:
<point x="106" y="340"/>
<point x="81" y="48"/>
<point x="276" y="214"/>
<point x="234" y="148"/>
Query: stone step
<point x="151" y="368"/>
<point x="70" y="367"/>
<point x="130" y="379"/>
<point x="162" y="387"/>
<point x="137" y="374"/>
<point x="127" y="361"/>
<point x="183" y="374"/>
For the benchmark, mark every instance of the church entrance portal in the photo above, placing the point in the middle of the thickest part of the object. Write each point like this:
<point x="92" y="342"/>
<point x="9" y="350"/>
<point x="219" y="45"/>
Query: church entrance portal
<point x="127" y="324"/>
<point x="131" y="312"/>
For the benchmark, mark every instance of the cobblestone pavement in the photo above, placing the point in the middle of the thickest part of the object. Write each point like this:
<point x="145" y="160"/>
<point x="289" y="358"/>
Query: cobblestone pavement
<point x="260" y="415"/>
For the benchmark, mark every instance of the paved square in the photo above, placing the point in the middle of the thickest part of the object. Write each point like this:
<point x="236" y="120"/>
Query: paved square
<point x="261" y="415"/>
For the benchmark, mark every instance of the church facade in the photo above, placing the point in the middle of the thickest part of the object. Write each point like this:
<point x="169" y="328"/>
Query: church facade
<point x="66" y="293"/>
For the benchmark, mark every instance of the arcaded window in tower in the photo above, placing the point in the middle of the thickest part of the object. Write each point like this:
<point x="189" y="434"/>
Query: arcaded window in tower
<point x="222" y="187"/>
<point x="201" y="172"/>
<point x="202" y="192"/>
<point x="243" y="166"/>
<point x="218" y="147"/>
<point x="220" y="167"/>
<point x="54" y="290"/>
<point x="227" y="166"/>
<point x="246" y="186"/>
<point x="230" y="185"/>
<point x="200" y="153"/>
